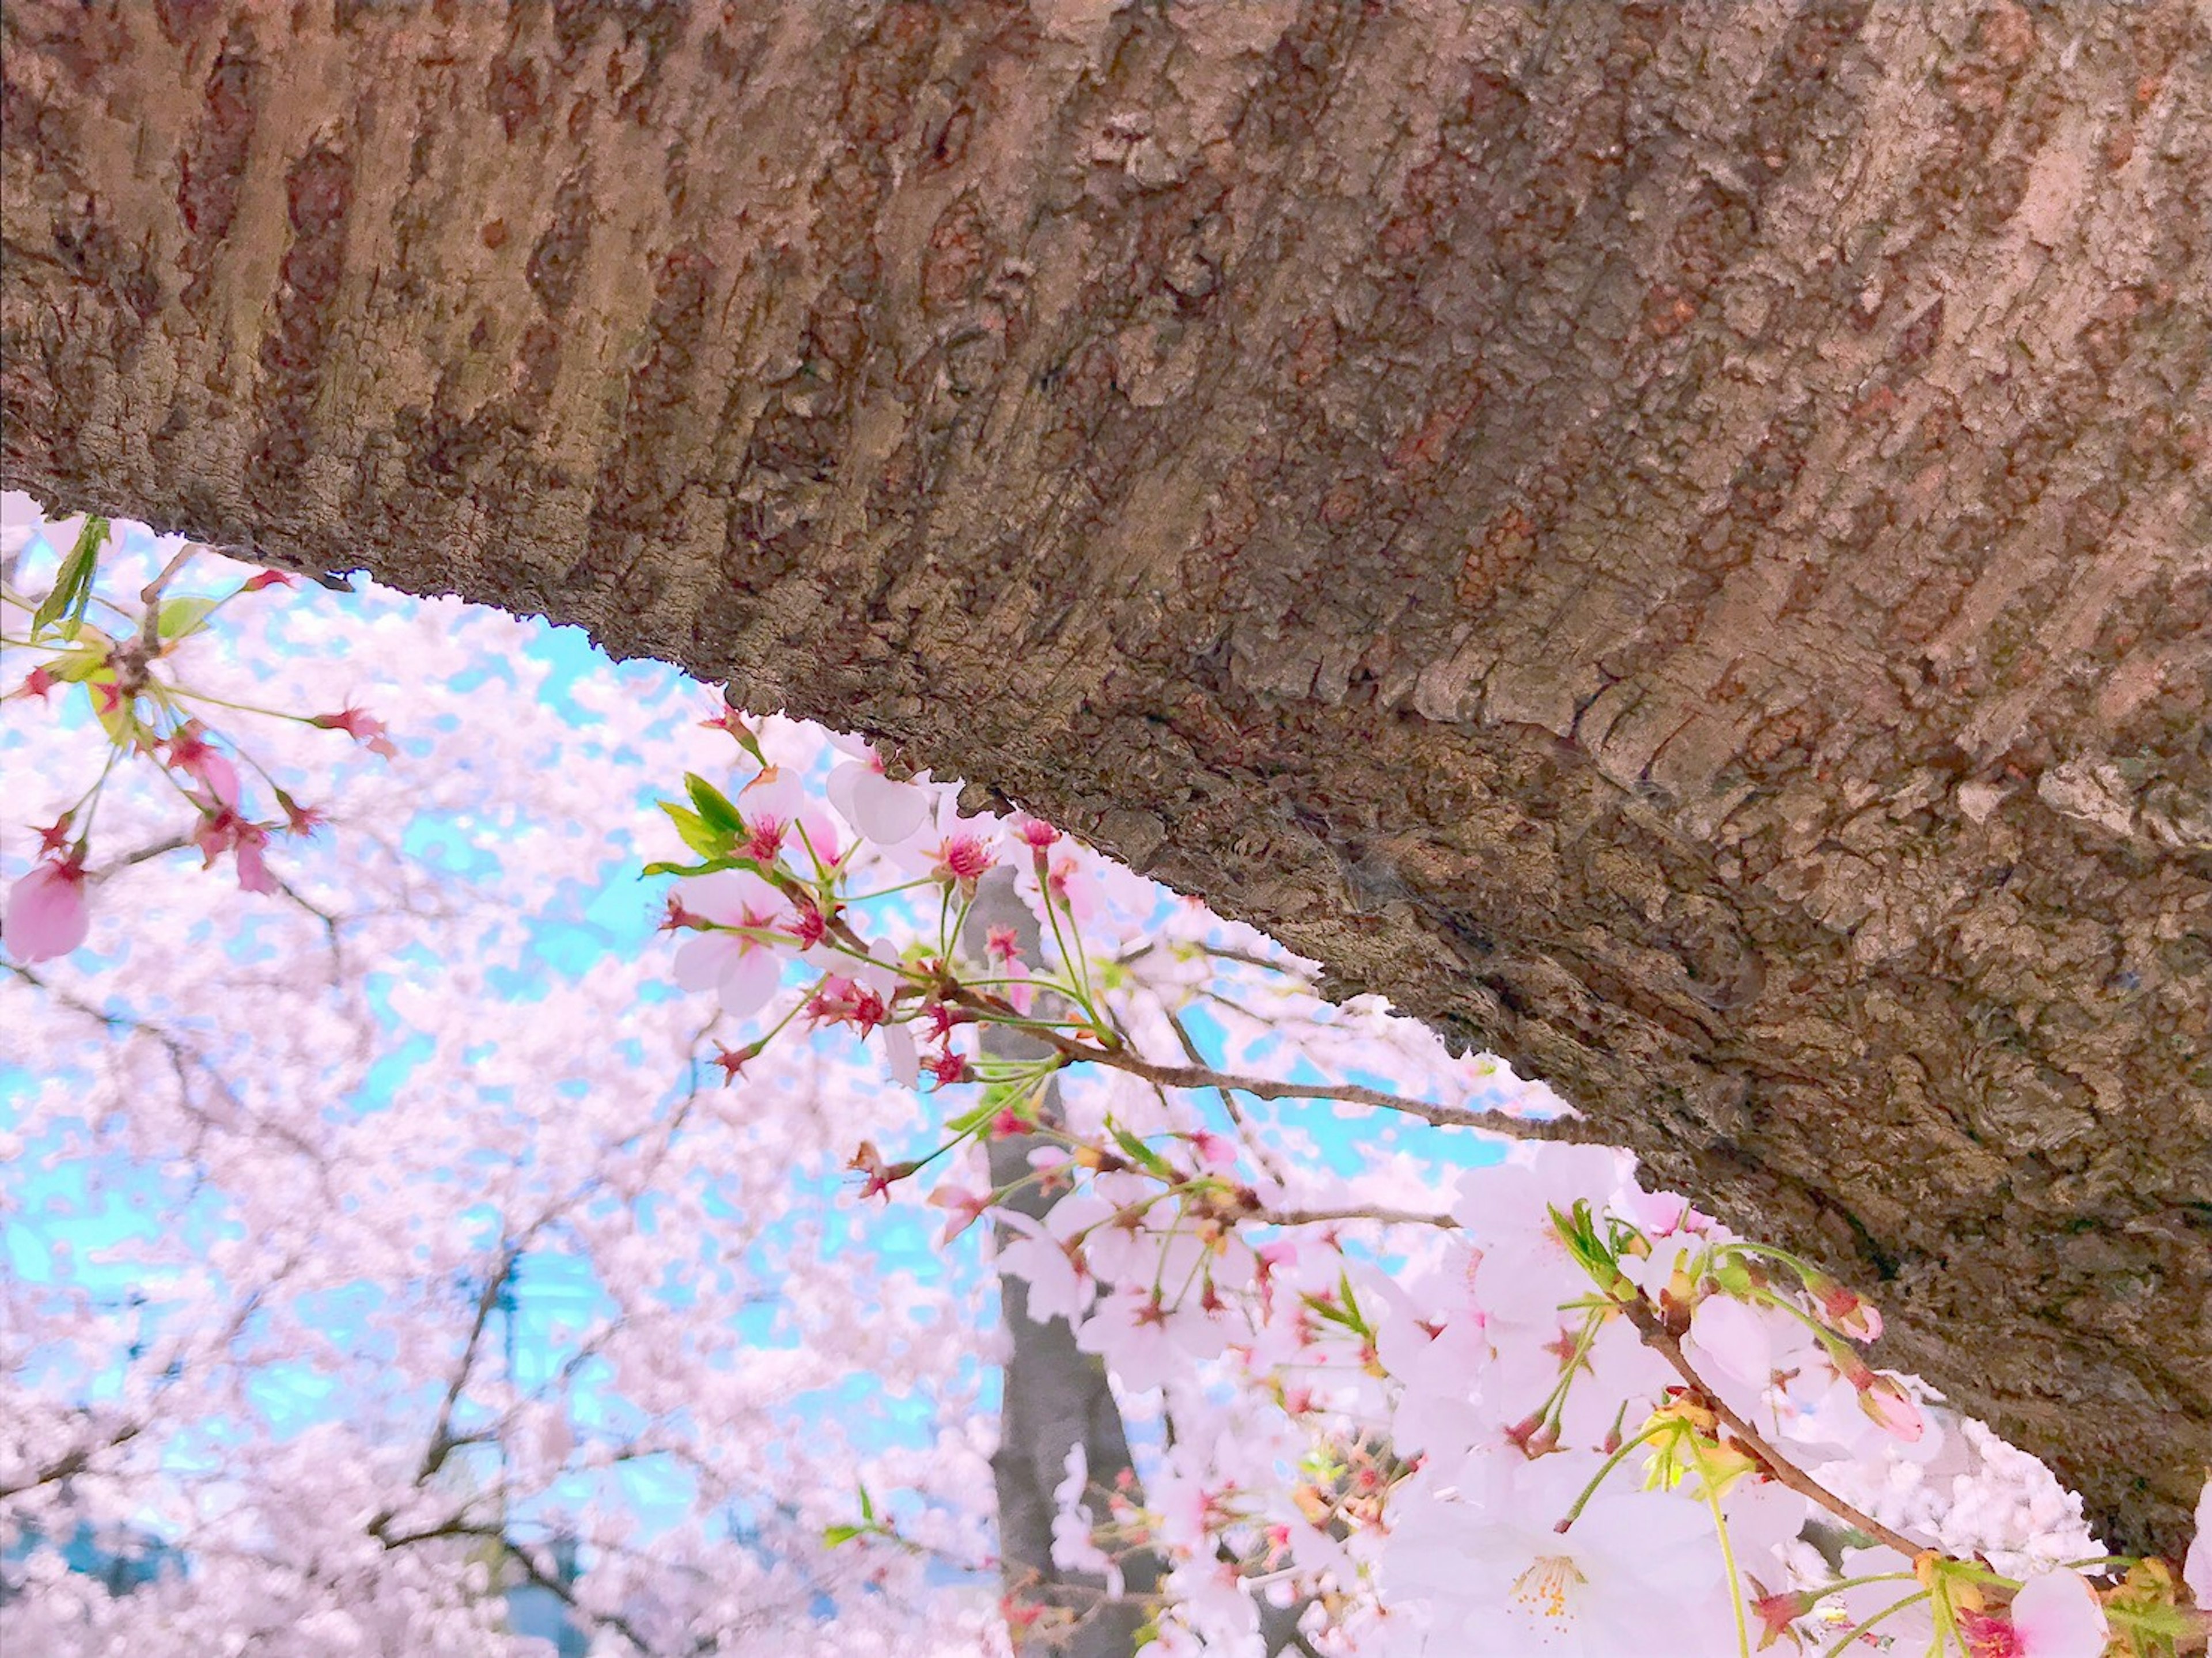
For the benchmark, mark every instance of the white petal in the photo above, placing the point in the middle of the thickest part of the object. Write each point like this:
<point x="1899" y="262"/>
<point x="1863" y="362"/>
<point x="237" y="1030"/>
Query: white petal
<point x="19" y="522"/>
<point x="899" y="1050"/>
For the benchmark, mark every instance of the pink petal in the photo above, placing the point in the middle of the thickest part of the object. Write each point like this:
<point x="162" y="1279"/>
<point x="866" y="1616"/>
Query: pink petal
<point x="698" y="959"/>
<point x="1733" y="1339"/>
<point x="2058" y="1616"/>
<point x="750" y="978"/>
<point x="48" y="915"/>
<point x="775" y="793"/>
<point x="728" y="895"/>
<point x="253" y="874"/>
<point x="878" y="809"/>
<point x="2197" y="1570"/>
<point x="899" y="1050"/>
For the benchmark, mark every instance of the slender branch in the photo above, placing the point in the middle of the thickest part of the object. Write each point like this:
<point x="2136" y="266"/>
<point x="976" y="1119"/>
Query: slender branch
<point x="1574" y="1129"/>
<point x="1662" y="1341"/>
<point x="1189" y="1043"/>
<point x="1326" y="1217"/>
<point x="477" y="1531"/>
<point x="441" y="1431"/>
<point x="71" y="1462"/>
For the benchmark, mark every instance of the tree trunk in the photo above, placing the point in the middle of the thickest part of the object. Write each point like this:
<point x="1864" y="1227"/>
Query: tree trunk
<point x="1669" y="539"/>
<point x="1053" y="1395"/>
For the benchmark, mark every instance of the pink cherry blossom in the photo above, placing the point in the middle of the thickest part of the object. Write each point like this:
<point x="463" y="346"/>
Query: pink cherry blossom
<point x="1497" y="1576"/>
<point x="365" y="730"/>
<point x="1059" y="1285"/>
<point x="742" y="970"/>
<point x="191" y="753"/>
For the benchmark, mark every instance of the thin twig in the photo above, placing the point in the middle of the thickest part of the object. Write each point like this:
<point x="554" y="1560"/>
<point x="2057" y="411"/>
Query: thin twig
<point x="1574" y="1129"/>
<point x="1662" y="1340"/>
<point x="1328" y="1217"/>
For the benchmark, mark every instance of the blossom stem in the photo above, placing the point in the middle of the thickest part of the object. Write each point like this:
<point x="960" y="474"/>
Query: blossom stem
<point x="1728" y="1549"/>
<point x="1650" y="1432"/>
<point x="1858" y="1629"/>
<point x="1329" y="1216"/>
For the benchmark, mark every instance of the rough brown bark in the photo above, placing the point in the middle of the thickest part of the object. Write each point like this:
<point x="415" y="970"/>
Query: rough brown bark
<point x="1672" y="540"/>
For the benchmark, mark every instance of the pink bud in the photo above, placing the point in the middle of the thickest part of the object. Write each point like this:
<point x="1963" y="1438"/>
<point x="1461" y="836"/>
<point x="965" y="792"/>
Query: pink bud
<point x="361" y="727"/>
<point x="1891" y="1406"/>
<point x="1843" y="1311"/>
<point x="48" y="915"/>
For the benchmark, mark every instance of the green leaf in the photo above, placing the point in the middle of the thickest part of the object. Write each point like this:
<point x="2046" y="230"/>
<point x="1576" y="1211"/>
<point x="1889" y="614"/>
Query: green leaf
<point x="120" y="721"/>
<point x="64" y="606"/>
<point x="710" y="866"/>
<point x="972" y="1119"/>
<point x="72" y="666"/>
<point x="1140" y="1153"/>
<point x="183" y="614"/>
<point x="714" y="806"/>
<point x="697" y="833"/>
<point x="867" y="1503"/>
<point x="832" y="1536"/>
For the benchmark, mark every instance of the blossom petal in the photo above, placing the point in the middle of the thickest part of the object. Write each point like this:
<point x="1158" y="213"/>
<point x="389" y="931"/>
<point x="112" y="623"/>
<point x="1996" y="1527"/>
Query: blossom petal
<point x="2058" y="1616"/>
<point x="1733" y="1339"/>
<point x="48" y="915"/>
<point x="878" y="809"/>
<point x="750" y="976"/>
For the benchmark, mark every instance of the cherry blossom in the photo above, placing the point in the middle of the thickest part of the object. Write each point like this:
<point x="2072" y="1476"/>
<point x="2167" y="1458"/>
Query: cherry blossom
<point x="460" y="1242"/>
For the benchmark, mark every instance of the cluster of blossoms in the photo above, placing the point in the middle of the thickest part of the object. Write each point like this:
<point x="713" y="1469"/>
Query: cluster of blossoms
<point x="125" y="666"/>
<point x="370" y="1247"/>
<point x="1459" y="1391"/>
<point x="1560" y="1413"/>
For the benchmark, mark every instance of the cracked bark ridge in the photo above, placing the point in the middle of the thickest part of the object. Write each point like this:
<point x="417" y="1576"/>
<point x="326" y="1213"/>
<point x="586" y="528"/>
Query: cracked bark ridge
<point x="1671" y="540"/>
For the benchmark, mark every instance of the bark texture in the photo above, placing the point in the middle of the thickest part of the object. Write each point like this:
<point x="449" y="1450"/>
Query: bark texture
<point x="1670" y="540"/>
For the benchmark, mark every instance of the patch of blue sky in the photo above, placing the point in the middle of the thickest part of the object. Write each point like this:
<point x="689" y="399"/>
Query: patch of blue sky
<point x="451" y="844"/>
<point x="1345" y="1138"/>
<point x="389" y="1072"/>
<point x="293" y="1399"/>
<point x="570" y="658"/>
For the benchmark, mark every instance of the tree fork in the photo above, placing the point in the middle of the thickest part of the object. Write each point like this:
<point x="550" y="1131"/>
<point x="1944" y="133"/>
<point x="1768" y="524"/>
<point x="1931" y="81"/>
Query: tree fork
<point x="1670" y="540"/>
